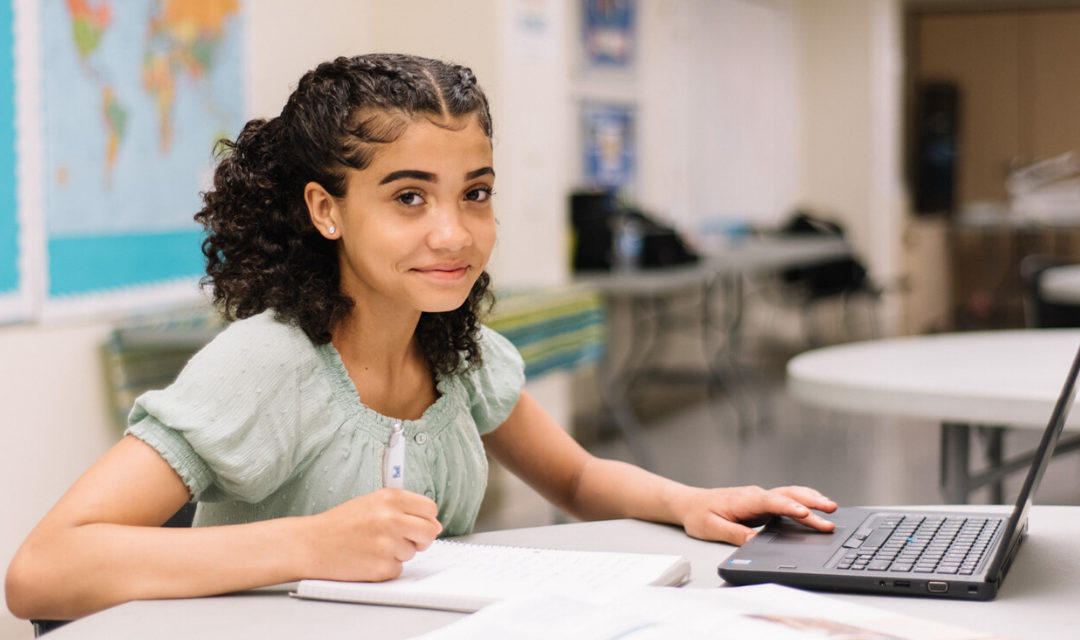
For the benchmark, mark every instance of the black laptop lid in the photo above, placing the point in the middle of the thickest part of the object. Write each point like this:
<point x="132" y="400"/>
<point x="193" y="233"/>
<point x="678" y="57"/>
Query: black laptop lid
<point x="1038" y="466"/>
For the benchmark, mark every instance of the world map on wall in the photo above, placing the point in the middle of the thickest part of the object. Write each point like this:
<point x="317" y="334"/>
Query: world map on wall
<point x="135" y="95"/>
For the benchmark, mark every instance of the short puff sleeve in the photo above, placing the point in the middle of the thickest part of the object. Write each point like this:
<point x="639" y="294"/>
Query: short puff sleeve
<point x="494" y="388"/>
<point x="243" y="414"/>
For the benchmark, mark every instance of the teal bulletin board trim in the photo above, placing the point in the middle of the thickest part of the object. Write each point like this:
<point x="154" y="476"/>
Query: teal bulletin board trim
<point x="94" y="264"/>
<point x="9" y="249"/>
<point x="9" y="226"/>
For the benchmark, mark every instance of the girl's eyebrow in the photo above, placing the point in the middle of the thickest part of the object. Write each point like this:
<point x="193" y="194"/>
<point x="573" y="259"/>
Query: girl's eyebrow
<point x="410" y="173"/>
<point x="427" y="176"/>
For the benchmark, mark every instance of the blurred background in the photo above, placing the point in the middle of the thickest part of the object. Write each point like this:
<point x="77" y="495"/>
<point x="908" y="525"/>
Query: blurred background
<point x="935" y="138"/>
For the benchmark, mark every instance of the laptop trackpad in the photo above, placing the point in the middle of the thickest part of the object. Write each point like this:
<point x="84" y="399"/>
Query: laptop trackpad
<point x="794" y="533"/>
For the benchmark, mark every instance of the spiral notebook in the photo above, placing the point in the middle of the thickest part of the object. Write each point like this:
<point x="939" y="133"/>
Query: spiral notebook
<point x="460" y="576"/>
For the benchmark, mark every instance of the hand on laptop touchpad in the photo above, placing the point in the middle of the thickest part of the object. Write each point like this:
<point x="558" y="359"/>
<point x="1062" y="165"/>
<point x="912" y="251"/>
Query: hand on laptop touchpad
<point x="790" y="532"/>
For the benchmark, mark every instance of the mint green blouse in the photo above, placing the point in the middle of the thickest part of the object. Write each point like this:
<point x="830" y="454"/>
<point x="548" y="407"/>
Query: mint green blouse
<point x="262" y="423"/>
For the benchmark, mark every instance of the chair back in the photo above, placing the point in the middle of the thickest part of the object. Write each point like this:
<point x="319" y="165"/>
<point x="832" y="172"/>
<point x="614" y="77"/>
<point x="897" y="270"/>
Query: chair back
<point x="1040" y="313"/>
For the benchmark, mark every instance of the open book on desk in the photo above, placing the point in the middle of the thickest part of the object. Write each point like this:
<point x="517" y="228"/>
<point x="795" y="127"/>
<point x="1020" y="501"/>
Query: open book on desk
<point x="459" y="576"/>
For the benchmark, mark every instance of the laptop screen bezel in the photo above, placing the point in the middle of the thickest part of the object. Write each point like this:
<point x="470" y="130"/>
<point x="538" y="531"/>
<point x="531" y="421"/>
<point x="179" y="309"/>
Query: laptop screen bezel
<point x="1041" y="460"/>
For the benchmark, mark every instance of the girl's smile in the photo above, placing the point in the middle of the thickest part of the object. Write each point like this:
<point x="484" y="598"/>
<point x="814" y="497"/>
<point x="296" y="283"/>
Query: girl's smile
<point x="448" y="272"/>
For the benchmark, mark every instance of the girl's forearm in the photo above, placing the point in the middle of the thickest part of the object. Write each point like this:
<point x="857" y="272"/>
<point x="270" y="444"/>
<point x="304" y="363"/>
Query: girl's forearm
<point x="71" y="572"/>
<point x="608" y="489"/>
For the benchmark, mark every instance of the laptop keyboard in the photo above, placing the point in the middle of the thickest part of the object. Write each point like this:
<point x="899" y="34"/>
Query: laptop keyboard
<point x="900" y="543"/>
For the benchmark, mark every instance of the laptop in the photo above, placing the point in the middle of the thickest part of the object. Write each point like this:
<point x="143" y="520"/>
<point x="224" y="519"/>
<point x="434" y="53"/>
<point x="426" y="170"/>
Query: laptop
<point x="946" y="554"/>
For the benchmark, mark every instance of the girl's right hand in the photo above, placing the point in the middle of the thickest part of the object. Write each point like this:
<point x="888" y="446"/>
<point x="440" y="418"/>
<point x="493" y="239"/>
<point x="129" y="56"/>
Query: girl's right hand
<point x="369" y="537"/>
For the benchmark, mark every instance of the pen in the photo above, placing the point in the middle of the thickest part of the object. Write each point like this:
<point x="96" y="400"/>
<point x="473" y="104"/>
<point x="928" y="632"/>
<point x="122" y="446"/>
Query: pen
<point x="394" y="459"/>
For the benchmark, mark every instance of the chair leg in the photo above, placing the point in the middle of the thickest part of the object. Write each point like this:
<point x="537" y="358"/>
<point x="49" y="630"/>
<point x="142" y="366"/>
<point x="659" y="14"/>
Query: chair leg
<point x="811" y="330"/>
<point x="850" y="324"/>
<point x="41" y="627"/>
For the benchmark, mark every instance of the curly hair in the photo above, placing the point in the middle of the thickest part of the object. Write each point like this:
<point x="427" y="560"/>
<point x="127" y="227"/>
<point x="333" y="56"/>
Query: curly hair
<point x="262" y="250"/>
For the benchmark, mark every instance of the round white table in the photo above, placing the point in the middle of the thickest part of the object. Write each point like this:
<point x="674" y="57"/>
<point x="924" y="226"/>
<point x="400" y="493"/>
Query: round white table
<point x="978" y="382"/>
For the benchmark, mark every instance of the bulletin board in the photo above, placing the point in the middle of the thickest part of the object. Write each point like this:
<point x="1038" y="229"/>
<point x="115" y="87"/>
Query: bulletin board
<point x="119" y="105"/>
<point x="14" y="304"/>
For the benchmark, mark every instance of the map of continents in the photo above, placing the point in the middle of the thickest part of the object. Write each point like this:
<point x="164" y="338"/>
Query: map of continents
<point x="135" y="94"/>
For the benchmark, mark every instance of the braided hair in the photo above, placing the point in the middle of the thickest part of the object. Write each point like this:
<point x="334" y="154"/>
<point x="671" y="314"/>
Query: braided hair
<point x="262" y="250"/>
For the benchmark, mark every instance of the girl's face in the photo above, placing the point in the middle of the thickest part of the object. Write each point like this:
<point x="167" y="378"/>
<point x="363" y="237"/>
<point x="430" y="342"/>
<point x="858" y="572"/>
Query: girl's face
<point x="416" y="227"/>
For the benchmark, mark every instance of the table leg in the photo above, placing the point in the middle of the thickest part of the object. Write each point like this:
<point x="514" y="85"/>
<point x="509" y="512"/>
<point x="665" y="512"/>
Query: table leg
<point x="644" y="345"/>
<point x="653" y="319"/>
<point x="622" y="413"/>
<point x="957" y="479"/>
<point x="725" y="351"/>
<point x="955" y="464"/>
<point x="993" y="438"/>
<point x="617" y="377"/>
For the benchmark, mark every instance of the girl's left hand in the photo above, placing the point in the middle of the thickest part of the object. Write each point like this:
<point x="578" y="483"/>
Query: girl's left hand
<point x="727" y="515"/>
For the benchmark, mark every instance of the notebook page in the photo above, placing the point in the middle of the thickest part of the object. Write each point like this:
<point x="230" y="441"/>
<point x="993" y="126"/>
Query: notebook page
<point x="456" y="575"/>
<point x="493" y="569"/>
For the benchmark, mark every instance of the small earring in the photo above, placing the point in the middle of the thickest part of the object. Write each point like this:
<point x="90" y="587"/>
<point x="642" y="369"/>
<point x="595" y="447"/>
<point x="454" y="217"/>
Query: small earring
<point x="332" y="230"/>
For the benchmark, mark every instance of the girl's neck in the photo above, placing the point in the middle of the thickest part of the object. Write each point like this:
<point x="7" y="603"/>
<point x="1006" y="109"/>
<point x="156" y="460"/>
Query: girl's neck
<point x="377" y="338"/>
<point x="385" y="362"/>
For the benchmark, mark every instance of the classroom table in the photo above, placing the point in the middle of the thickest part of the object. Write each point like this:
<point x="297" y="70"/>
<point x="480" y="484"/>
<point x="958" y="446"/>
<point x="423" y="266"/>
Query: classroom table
<point x="1037" y="600"/>
<point x="654" y="318"/>
<point x="973" y="384"/>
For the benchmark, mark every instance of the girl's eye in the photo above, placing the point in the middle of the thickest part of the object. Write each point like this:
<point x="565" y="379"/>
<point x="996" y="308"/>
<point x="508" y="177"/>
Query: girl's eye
<point x="481" y="194"/>
<point x="410" y="199"/>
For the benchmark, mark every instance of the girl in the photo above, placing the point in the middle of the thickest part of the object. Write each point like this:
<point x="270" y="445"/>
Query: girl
<point x="348" y="239"/>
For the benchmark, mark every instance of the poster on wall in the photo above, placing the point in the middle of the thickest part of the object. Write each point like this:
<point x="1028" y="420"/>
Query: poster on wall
<point x="531" y="26"/>
<point x="608" y="34"/>
<point x="14" y="299"/>
<point x="133" y="96"/>
<point x="608" y="146"/>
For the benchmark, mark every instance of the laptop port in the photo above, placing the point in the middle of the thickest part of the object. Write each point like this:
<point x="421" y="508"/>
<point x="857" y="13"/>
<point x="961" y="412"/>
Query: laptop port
<point x="902" y="583"/>
<point x="937" y="586"/>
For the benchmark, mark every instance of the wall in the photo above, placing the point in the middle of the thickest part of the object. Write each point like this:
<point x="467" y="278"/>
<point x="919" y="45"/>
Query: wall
<point x="720" y="111"/>
<point x="927" y="302"/>
<point x="1014" y="72"/>
<point x="532" y="145"/>
<point x="850" y="165"/>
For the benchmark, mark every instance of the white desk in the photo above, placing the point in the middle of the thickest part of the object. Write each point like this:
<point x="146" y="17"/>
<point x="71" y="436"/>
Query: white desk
<point x="969" y="382"/>
<point x="746" y="257"/>
<point x="1037" y="600"/>
<point x="1061" y="285"/>
<point x="653" y="319"/>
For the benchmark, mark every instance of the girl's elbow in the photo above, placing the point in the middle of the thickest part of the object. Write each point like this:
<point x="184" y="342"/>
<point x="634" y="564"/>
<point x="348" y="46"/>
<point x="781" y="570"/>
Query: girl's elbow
<point x="35" y="589"/>
<point x="21" y="587"/>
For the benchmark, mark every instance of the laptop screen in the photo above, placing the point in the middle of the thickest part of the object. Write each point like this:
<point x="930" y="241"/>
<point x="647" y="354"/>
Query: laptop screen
<point x="1040" y="460"/>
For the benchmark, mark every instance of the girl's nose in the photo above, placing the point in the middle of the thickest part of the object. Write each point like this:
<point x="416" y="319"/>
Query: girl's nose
<point x="448" y="232"/>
